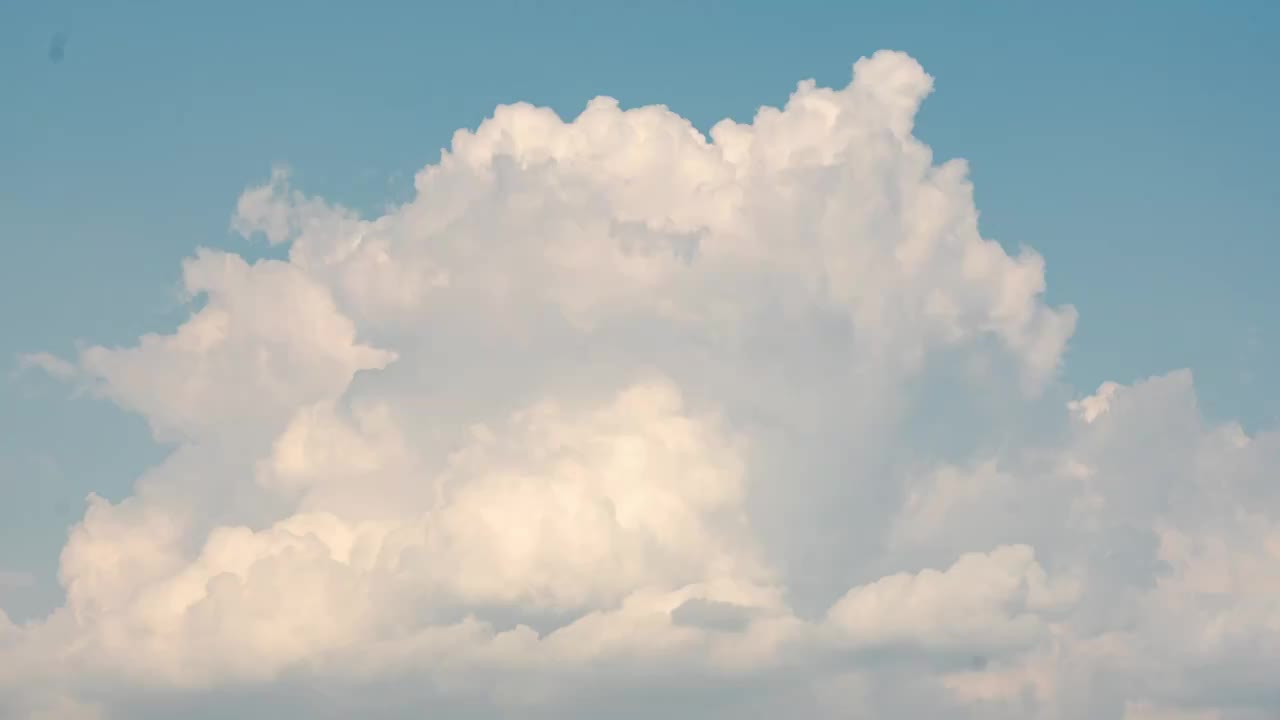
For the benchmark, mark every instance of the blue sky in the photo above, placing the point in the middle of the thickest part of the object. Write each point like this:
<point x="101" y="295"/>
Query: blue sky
<point x="1132" y="144"/>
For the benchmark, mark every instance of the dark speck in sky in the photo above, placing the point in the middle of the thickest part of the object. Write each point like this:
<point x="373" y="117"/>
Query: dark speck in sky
<point x="58" y="47"/>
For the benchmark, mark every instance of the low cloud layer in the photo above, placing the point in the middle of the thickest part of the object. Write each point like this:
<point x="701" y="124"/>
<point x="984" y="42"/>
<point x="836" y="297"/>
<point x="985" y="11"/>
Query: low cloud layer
<point x="615" y="419"/>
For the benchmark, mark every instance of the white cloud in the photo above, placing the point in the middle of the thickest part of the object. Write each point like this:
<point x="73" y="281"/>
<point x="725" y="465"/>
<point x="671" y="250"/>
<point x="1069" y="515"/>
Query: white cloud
<point x="268" y="340"/>
<point x="985" y="603"/>
<point x="53" y="365"/>
<point x="613" y="418"/>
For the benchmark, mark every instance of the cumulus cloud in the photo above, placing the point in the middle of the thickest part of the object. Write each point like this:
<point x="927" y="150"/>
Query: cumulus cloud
<point x="984" y="604"/>
<point x="616" y="418"/>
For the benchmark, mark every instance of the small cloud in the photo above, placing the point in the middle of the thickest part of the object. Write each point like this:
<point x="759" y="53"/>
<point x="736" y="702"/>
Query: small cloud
<point x="55" y="366"/>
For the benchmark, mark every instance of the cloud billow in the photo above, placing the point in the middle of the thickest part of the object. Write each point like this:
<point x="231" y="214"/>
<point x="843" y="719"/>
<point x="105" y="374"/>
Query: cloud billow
<point x="615" y="417"/>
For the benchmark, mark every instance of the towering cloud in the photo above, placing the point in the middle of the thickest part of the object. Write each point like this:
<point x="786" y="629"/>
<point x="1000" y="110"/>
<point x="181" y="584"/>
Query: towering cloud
<point x="613" y="418"/>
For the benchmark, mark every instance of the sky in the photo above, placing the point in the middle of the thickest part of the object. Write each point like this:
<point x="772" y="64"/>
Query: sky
<point x="983" y="329"/>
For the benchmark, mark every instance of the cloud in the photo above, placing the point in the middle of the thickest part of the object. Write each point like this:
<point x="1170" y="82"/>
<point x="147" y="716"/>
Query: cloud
<point x="268" y="340"/>
<point x="985" y="603"/>
<point x="52" y="365"/>
<point x="616" y="418"/>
